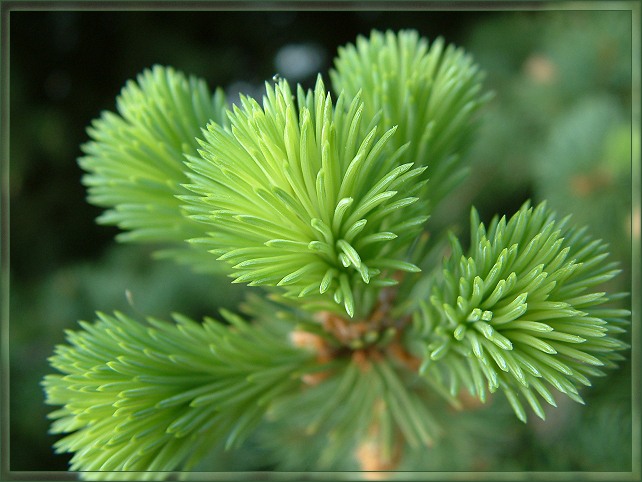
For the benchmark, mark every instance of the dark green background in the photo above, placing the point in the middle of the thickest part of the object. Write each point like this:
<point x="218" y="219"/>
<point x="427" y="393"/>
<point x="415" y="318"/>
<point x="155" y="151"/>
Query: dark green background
<point x="558" y="128"/>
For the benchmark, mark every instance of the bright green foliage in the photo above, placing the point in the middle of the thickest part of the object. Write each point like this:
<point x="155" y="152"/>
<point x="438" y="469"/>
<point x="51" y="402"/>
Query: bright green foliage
<point x="376" y="403"/>
<point x="323" y="203"/>
<point x="308" y="203"/>
<point x="361" y="397"/>
<point x="157" y="396"/>
<point x="430" y="92"/>
<point x="521" y="311"/>
<point x="135" y="160"/>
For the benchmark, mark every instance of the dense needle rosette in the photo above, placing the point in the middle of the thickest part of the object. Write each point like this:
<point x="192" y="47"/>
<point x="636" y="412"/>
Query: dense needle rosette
<point x="134" y="161"/>
<point x="323" y="202"/>
<point x="522" y="311"/>
<point x="156" y="397"/>
<point x="431" y="90"/>
<point x="295" y="196"/>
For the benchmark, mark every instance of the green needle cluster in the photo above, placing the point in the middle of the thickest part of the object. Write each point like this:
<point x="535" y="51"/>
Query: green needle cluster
<point x="157" y="396"/>
<point x="430" y="91"/>
<point x="520" y="312"/>
<point x="324" y="202"/>
<point x="310" y="203"/>
<point x="135" y="160"/>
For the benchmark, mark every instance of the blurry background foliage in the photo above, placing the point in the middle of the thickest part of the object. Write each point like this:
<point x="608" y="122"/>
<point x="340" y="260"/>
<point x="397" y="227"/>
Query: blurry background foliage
<point x="559" y="128"/>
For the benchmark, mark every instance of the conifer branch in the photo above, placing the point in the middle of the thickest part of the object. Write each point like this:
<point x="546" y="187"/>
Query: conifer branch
<point x="322" y="203"/>
<point x="431" y="92"/>
<point x="521" y="311"/>
<point x="366" y="408"/>
<point x="134" y="162"/>
<point x="310" y="203"/>
<point x="157" y="396"/>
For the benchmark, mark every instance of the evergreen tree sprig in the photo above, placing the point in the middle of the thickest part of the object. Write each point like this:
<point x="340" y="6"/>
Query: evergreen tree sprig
<point x="157" y="396"/>
<point x="295" y="195"/>
<point x="432" y="92"/>
<point x="366" y="408"/>
<point x="521" y="313"/>
<point x="323" y="202"/>
<point x="134" y="161"/>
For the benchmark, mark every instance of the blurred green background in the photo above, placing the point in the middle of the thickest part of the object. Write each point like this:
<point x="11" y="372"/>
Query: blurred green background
<point x="559" y="128"/>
